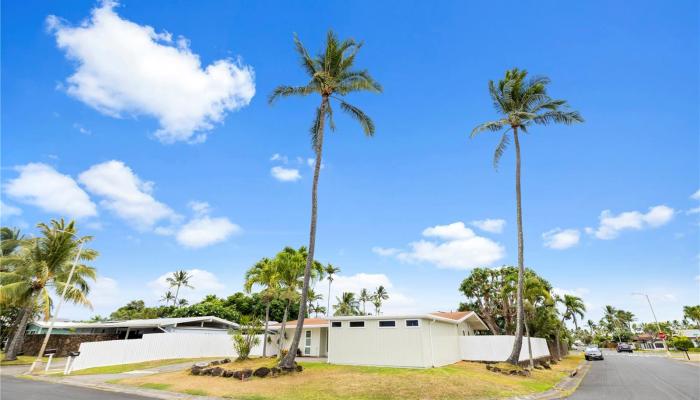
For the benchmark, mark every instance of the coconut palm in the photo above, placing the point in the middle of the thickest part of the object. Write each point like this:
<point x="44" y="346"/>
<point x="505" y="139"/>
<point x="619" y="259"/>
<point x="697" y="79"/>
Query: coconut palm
<point x="10" y="240"/>
<point x="179" y="279"/>
<point x="331" y="76"/>
<point x="378" y="297"/>
<point x="347" y="304"/>
<point x="591" y="326"/>
<point x="364" y="298"/>
<point x="168" y="297"/>
<point x="264" y="274"/>
<point x="536" y="293"/>
<point x="574" y="306"/>
<point x="330" y="271"/>
<point x="39" y="266"/>
<point x="312" y="297"/>
<point x="522" y="103"/>
<point x="317" y="309"/>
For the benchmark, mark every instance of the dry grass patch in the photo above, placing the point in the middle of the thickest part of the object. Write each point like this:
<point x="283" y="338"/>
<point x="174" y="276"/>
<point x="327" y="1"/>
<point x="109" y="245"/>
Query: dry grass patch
<point x="320" y="381"/>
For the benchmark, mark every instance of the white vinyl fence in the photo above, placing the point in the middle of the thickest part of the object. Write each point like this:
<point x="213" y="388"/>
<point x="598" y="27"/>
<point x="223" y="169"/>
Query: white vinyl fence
<point x="497" y="348"/>
<point x="160" y="346"/>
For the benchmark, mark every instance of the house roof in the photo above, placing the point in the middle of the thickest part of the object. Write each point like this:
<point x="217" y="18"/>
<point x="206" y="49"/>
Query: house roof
<point x="448" y="317"/>
<point x="308" y="322"/>
<point x="690" y="333"/>
<point x="134" y="323"/>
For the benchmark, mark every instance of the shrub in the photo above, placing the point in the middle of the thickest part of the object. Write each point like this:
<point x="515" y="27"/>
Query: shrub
<point x="682" y="343"/>
<point x="246" y="337"/>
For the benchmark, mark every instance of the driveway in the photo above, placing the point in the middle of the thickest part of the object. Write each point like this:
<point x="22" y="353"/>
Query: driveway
<point x="639" y="377"/>
<point x="23" y="389"/>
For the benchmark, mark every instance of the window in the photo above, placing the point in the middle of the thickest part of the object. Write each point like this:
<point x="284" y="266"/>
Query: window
<point x="411" y="322"/>
<point x="387" y="324"/>
<point x="357" y="324"/>
<point x="336" y="324"/>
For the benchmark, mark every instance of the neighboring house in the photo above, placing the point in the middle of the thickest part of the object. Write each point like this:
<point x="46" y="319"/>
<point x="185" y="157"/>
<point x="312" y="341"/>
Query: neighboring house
<point x="314" y="340"/>
<point x="135" y="328"/>
<point x="692" y="334"/>
<point x="645" y="341"/>
<point x="67" y="336"/>
<point x="422" y="340"/>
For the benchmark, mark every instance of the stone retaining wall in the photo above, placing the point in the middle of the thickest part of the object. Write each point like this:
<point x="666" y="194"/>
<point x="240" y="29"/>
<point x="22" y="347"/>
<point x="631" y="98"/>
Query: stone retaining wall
<point x="62" y="343"/>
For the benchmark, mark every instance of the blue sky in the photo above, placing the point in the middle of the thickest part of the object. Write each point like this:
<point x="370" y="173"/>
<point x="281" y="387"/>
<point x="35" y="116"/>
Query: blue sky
<point x="171" y="164"/>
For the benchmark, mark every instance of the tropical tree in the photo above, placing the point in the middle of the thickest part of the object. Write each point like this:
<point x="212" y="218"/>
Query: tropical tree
<point x="331" y="76"/>
<point x="364" y="298"/>
<point x="537" y="294"/>
<point x="347" y="304"/>
<point x="265" y="274"/>
<point x="522" y="103"/>
<point x="179" y="279"/>
<point x="379" y="295"/>
<point x="312" y="297"/>
<point x="692" y="313"/>
<point x="330" y="272"/>
<point x="10" y="240"/>
<point x="317" y="309"/>
<point x="183" y="303"/>
<point x="573" y="306"/>
<point x="39" y="266"/>
<point x="591" y="326"/>
<point x="168" y="297"/>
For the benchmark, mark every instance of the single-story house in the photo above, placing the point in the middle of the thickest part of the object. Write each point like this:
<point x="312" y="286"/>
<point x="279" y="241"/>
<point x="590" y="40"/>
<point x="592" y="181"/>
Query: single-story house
<point x="692" y="334"/>
<point x="135" y="328"/>
<point x="421" y="340"/>
<point x="314" y="340"/>
<point x="67" y="336"/>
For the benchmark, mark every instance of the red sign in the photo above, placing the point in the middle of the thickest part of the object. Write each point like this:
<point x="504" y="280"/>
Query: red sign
<point x="662" y="336"/>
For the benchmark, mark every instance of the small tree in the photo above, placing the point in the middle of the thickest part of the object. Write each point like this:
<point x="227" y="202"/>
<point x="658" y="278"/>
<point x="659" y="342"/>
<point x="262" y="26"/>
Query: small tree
<point x="246" y="337"/>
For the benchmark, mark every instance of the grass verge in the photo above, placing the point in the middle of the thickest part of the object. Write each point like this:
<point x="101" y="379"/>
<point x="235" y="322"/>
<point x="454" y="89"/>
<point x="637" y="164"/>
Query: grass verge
<point x="24" y="360"/>
<point x="320" y="381"/>
<point x="117" y="369"/>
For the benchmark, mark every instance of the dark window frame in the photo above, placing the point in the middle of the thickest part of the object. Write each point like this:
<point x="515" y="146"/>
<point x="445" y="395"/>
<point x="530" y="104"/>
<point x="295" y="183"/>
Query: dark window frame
<point x="357" y="324"/>
<point x="392" y="323"/>
<point x="409" y="323"/>
<point x="336" y="324"/>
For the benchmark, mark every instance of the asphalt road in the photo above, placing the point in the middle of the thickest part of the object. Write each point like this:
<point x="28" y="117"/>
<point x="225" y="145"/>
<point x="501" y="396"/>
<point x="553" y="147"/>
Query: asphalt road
<point x="23" y="389"/>
<point x="639" y="377"/>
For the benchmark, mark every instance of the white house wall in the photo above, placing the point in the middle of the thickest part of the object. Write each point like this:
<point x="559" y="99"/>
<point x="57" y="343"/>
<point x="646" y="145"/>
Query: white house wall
<point x="399" y="346"/>
<point x="318" y="348"/>
<point x="445" y="344"/>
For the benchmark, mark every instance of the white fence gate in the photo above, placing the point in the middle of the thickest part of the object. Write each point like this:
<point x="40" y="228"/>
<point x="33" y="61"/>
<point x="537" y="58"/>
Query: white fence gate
<point x="498" y="347"/>
<point x="160" y="346"/>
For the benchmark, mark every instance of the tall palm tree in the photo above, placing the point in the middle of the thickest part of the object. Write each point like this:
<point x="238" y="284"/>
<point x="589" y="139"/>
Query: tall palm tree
<point x="10" y="240"/>
<point x="168" y="297"/>
<point x="178" y="279"/>
<point x="574" y="306"/>
<point x="347" y="304"/>
<point x="330" y="271"/>
<point x="312" y="297"/>
<point x="182" y="303"/>
<point x="591" y="326"/>
<point x="364" y="298"/>
<point x="536" y="294"/>
<point x="264" y="273"/>
<point x="331" y="76"/>
<point x="522" y="103"/>
<point x="378" y="297"/>
<point x="39" y="266"/>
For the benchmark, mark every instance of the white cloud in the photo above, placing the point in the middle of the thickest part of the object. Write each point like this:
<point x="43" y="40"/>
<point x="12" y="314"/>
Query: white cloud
<point x="104" y="291"/>
<point x="285" y="174"/>
<point x="42" y="186"/>
<point x="560" y="239"/>
<point x="125" y="194"/>
<point x="611" y="225"/>
<point x="385" y="251"/>
<point x="696" y="195"/>
<point x="490" y="225"/>
<point x="398" y="302"/>
<point x="280" y="158"/>
<point x="82" y="129"/>
<point x="458" y="247"/>
<point x="126" y="68"/>
<point x="7" y="210"/>
<point x="204" y="283"/>
<point x="204" y="231"/>
<point x="200" y="207"/>
<point x="578" y="292"/>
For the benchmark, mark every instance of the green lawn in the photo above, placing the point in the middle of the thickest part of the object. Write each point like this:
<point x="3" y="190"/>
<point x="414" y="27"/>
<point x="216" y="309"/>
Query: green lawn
<point x="321" y="381"/>
<point x="23" y="360"/>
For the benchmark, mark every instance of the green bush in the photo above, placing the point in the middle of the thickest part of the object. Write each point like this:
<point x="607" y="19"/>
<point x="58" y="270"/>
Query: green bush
<point x="682" y="343"/>
<point x="694" y="350"/>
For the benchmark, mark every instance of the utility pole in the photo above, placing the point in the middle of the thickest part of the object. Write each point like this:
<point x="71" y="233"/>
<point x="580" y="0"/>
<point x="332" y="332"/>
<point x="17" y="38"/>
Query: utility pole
<point x="658" y="327"/>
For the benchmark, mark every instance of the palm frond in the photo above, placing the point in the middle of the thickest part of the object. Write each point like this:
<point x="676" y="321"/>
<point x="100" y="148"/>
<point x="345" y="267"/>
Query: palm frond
<point x="364" y="120"/>
<point x="561" y="117"/>
<point x="306" y="61"/>
<point x="500" y="149"/>
<point x="493" y="126"/>
<point x="286" y="91"/>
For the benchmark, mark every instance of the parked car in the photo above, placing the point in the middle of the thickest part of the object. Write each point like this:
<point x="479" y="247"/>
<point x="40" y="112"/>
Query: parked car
<point x="593" y="353"/>
<point x="624" y="347"/>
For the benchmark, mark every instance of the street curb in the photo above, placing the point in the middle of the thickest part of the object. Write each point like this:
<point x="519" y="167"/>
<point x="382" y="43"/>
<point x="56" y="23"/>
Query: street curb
<point x="109" y="387"/>
<point x="564" y="388"/>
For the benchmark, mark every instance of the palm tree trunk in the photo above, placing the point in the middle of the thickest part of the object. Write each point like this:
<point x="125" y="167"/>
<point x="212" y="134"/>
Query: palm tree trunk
<point x="15" y="344"/>
<point x="518" y="343"/>
<point x="287" y="362"/>
<point x="283" y="327"/>
<point x="177" y="291"/>
<point x="556" y="337"/>
<point x="529" y="345"/>
<point x="328" y="305"/>
<point x="267" y="321"/>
